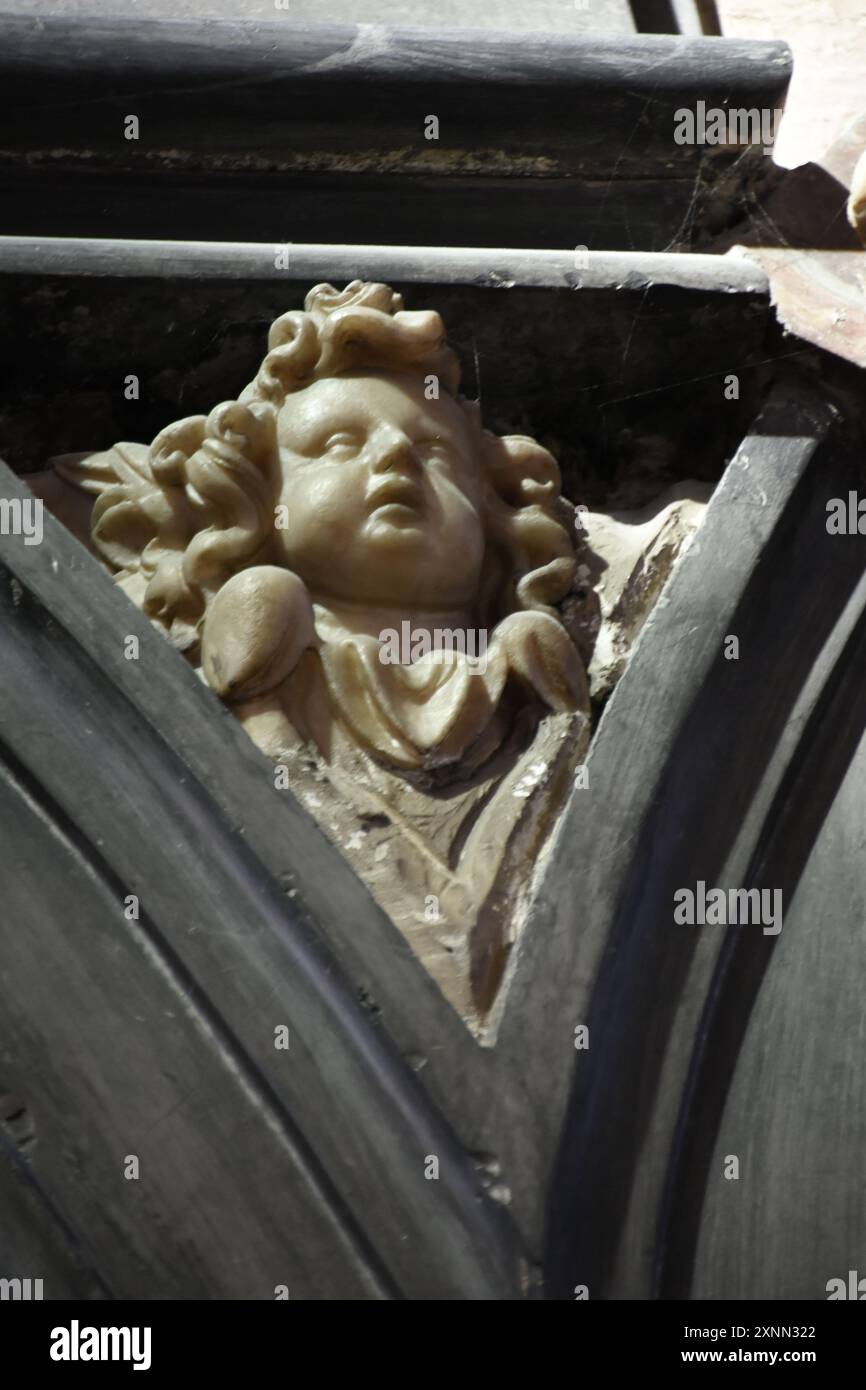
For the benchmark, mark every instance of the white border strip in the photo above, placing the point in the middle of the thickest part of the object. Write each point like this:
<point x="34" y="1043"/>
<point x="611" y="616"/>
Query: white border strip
<point x="491" y="268"/>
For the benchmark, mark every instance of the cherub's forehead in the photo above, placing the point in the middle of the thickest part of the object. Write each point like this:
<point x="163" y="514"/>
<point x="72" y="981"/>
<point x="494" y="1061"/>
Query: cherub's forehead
<point x="371" y="397"/>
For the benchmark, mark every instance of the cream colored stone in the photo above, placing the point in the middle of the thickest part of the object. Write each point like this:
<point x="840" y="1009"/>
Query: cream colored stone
<point x="633" y="556"/>
<point x="857" y="198"/>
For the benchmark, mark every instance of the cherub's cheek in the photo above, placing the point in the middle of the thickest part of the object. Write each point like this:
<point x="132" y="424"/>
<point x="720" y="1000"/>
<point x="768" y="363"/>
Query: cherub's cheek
<point x="462" y="497"/>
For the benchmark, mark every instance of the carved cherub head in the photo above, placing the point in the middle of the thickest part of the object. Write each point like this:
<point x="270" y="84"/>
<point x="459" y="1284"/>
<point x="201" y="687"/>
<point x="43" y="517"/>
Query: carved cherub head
<point x="351" y="465"/>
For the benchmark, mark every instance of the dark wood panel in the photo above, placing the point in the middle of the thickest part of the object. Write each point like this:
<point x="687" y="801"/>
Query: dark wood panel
<point x="242" y="954"/>
<point x="115" y="1057"/>
<point x="282" y="95"/>
<point x="655" y="214"/>
<point x="778" y="1080"/>
<point x="35" y="1240"/>
<point x="592" y="360"/>
<point x="685" y="765"/>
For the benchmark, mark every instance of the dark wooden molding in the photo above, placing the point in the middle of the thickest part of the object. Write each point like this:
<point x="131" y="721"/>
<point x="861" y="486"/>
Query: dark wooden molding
<point x="726" y="790"/>
<point x="492" y="267"/>
<point x="290" y="93"/>
<point x="260" y="131"/>
<point x="65" y="303"/>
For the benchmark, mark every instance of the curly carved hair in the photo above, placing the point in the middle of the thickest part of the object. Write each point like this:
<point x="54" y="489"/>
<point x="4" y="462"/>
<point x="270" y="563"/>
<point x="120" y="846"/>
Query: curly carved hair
<point x="177" y="520"/>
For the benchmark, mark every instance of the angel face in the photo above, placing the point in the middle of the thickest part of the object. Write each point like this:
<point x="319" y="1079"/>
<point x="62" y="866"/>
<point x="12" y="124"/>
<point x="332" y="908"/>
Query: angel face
<point x="382" y="490"/>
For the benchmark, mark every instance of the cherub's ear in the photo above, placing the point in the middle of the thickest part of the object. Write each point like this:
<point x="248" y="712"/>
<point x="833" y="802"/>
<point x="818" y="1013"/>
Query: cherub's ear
<point x="520" y="469"/>
<point x="525" y="481"/>
<point x="255" y="631"/>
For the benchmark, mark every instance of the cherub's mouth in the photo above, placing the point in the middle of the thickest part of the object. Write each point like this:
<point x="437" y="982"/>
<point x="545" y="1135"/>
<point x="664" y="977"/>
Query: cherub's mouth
<point x="398" y="497"/>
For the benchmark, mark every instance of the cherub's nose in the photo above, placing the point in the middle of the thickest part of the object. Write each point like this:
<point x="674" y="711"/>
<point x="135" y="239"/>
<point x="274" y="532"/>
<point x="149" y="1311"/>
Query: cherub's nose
<point x="394" y="450"/>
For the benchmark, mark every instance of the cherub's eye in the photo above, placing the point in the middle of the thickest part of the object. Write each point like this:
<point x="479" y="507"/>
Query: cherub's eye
<point x="434" y="445"/>
<point x="343" y="440"/>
